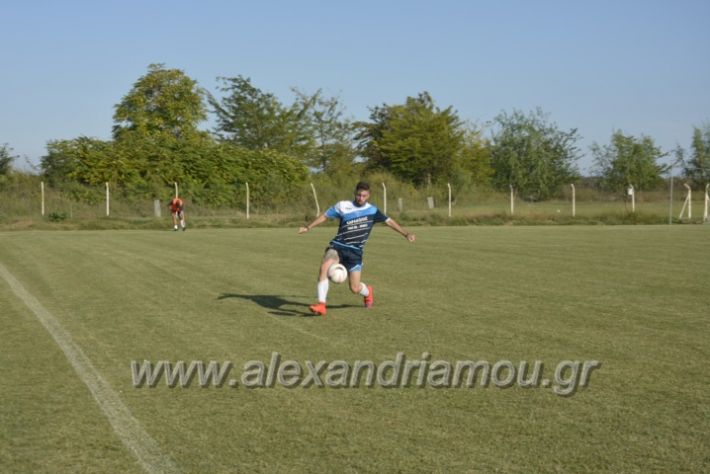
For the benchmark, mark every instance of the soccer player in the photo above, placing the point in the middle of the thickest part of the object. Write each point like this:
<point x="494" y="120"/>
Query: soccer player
<point x="356" y="221"/>
<point x="177" y="209"/>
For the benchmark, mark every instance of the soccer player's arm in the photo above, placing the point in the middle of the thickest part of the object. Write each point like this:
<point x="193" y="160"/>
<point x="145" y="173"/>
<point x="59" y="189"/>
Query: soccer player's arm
<point x="392" y="224"/>
<point x="331" y="213"/>
<point x="317" y="221"/>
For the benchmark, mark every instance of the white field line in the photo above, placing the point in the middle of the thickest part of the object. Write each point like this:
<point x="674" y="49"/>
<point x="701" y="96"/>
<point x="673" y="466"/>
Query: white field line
<point x="128" y="429"/>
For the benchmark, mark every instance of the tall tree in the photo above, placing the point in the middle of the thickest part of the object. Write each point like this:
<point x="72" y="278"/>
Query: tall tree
<point x="257" y="120"/>
<point x="6" y="158"/>
<point x="163" y="101"/>
<point x="697" y="168"/>
<point x="417" y="141"/>
<point x="157" y="142"/>
<point x="156" y="129"/>
<point x="476" y="157"/>
<point x="87" y="161"/>
<point x="532" y="154"/>
<point x="332" y="133"/>
<point x="628" y="160"/>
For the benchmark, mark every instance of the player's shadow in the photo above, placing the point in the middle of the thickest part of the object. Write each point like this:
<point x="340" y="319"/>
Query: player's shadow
<point x="279" y="305"/>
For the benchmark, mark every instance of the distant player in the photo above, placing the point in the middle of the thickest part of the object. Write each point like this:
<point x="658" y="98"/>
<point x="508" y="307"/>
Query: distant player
<point x="356" y="221"/>
<point x="177" y="209"/>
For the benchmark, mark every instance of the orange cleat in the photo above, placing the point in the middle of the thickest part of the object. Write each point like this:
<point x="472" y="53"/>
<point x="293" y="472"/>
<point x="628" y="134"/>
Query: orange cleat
<point x="370" y="298"/>
<point x="318" y="308"/>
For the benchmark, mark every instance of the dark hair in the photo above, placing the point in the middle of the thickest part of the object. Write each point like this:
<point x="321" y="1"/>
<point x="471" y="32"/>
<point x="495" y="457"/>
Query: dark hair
<point x="362" y="186"/>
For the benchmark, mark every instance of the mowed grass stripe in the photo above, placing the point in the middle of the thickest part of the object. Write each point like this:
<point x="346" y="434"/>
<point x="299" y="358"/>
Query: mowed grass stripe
<point x="126" y="427"/>
<point x="166" y="293"/>
<point x="223" y="279"/>
<point x="326" y="410"/>
<point x="48" y="420"/>
<point x="535" y="291"/>
<point x="644" y="411"/>
<point x="171" y="336"/>
<point x="527" y="293"/>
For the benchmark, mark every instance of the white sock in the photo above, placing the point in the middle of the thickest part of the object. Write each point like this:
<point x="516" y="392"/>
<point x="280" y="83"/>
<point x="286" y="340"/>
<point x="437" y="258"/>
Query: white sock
<point x="363" y="290"/>
<point x="322" y="290"/>
<point x="182" y="223"/>
<point x="175" y="226"/>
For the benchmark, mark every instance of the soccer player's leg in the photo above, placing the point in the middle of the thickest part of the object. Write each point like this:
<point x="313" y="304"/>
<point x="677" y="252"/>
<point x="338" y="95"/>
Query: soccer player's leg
<point x="175" y="216"/>
<point x="182" y="219"/>
<point x="330" y="257"/>
<point x="357" y="286"/>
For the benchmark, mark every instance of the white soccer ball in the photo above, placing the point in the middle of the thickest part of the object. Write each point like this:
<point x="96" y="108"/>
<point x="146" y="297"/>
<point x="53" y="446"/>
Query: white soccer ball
<point x="337" y="273"/>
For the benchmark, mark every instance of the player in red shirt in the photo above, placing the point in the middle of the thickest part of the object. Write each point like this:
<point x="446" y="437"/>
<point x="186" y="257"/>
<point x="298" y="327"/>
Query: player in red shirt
<point x="177" y="208"/>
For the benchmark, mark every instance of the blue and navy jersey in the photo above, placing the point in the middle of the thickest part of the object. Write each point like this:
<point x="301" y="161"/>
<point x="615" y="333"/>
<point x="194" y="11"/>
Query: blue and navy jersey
<point x="355" y="223"/>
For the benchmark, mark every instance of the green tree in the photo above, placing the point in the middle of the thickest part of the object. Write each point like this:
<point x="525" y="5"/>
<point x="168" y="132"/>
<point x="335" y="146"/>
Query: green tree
<point x="163" y="101"/>
<point x="532" y="154"/>
<point x="253" y="119"/>
<point x="6" y="158"/>
<point x="628" y="160"/>
<point x="476" y="157"/>
<point x="697" y="168"/>
<point x="87" y="161"/>
<point x="416" y="141"/>
<point x="332" y="134"/>
<point x="272" y="176"/>
<point x="156" y="160"/>
<point x="64" y="159"/>
<point x="157" y="140"/>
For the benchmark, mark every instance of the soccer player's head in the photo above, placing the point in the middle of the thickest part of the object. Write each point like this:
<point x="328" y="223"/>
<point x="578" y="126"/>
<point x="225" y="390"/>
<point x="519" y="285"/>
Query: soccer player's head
<point x="362" y="193"/>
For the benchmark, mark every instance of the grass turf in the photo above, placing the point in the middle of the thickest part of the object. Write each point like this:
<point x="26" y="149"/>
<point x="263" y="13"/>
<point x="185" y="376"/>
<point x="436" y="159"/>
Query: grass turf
<point x="634" y="298"/>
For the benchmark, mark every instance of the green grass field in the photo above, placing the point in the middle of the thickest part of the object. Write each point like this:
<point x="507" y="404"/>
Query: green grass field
<point x="634" y="298"/>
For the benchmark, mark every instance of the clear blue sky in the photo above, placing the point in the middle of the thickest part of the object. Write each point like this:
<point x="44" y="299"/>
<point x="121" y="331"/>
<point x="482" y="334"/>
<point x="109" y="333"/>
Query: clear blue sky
<point x="638" y="66"/>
